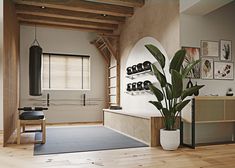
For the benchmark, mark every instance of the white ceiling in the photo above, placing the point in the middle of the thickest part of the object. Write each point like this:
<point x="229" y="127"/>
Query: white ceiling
<point x="201" y="7"/>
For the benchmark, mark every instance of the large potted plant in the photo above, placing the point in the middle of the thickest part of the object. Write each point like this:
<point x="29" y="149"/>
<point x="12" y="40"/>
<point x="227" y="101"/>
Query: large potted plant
<point x="171" y="97"/>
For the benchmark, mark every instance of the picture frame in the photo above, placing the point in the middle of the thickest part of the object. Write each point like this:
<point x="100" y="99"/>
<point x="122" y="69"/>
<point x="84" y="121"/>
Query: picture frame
<point x="192" y="54"/>
<point x="223" y="70"/>
<point x="225" y="50"/>
<point x="207" y="68"/>
<point x="209" y="48"/>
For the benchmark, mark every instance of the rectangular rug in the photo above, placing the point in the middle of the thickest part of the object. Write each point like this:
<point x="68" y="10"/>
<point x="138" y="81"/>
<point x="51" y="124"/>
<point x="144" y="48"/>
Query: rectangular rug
<point x="83" y="139"/>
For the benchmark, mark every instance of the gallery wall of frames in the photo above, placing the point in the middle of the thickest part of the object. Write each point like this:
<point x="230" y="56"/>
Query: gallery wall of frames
<point x="216" y="60"/>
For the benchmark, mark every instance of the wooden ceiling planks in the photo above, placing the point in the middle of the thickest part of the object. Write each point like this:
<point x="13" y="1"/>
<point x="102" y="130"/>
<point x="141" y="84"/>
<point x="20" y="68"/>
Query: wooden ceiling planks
<point x="55" y="25"/>
<point x="81" y="23"/>
<point x="101" y="16"/>
<point x="82" y="6"/>
<point x="128" y="3"/>
<point x="66" y="14"/>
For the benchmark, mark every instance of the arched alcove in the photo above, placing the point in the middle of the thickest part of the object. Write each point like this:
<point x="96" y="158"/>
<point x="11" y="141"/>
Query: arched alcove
<point x="139" y="54"/>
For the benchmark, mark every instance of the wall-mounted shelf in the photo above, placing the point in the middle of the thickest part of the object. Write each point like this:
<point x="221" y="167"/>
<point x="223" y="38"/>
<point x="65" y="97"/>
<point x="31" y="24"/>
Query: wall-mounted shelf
<point x="112" y="103"/>
<point x="111" y="67"/>
<point x="136" y="75"/>
<point x="111" y="77"/>
<point x="138" y="92"/>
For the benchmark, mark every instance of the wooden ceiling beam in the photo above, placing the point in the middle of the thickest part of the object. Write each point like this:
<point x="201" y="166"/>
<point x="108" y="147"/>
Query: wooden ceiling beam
<point x="64" y="26"/>
<point x="82" y="6"/>
<point x="60" y="21"/>
<point x="128" y="3"/>
<point x="66" y="14"/>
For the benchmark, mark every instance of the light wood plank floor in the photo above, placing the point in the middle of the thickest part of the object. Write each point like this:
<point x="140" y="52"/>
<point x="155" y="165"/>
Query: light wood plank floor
<point x="217" y="156"/>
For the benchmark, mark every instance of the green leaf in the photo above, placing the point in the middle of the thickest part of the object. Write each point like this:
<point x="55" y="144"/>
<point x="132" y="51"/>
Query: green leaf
<point x="190" y="91"/>
<point x="158" y="105"/>
<point x="169" y="94"/>
<point x="177" y="83"/>
<point x="181" y="105"/>
<point x="189" y="67"/>
<point x="156" y="92"/>
<point x="166" y="112"/>
<point x="160" y="77"/>
<point x="177" y="60"/>
<point x="157" y="54"/>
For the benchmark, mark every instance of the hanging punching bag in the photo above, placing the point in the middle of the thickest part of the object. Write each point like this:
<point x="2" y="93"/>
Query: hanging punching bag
<point x="35" y="63"/>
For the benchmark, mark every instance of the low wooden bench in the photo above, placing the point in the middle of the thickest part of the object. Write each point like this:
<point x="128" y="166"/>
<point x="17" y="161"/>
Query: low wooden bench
<point x="31" y="116"/>
<point x="141" y="126"/>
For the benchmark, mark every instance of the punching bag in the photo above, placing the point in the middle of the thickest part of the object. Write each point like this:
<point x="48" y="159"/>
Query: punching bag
<point x="35" y="63"/>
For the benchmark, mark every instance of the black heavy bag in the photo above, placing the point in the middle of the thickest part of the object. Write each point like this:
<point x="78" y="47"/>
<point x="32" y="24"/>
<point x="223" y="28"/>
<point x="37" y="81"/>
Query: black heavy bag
<point x="35" y="63"/>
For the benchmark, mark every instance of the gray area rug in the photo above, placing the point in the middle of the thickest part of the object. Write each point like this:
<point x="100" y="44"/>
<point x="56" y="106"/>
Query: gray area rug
<point x="83" y="139"/>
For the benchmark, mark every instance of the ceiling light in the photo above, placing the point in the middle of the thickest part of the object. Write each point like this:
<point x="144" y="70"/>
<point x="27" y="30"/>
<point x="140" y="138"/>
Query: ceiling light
<point x="43" y="7"/>
<point x="104" y="15"/>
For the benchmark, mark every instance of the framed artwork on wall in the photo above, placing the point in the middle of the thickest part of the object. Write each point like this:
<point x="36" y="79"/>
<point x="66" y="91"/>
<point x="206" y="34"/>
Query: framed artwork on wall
<point x="209" y="48"/>
<point x="192" y="54"/>
<point x="207" y="68"/>
<point x="223" y="70"/>
<point x="225" y="50"/>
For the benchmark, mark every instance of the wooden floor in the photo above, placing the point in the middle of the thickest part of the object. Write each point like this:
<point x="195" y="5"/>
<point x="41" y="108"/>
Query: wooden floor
<point x="217" y="156"/>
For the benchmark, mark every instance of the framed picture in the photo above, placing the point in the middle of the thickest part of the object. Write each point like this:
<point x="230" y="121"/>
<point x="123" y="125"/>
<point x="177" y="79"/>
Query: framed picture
<point x="209" y="48"/>
<point x="207" y="68"/>
<point x="225" y="50"/>
<point x="192" y="54"/>
<point x="223" y="70"/>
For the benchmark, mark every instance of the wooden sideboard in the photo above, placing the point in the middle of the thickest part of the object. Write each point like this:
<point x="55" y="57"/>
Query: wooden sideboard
<point x="214" y="109"/>
<point x="208" y="109"/>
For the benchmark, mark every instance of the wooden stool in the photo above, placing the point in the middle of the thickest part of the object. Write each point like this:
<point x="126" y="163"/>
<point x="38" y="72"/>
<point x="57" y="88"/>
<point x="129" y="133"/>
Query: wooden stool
<point x="31" y="116"/>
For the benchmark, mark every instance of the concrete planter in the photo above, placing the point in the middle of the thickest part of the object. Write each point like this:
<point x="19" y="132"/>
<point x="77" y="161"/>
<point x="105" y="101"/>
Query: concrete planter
<point x="170" y="139"/>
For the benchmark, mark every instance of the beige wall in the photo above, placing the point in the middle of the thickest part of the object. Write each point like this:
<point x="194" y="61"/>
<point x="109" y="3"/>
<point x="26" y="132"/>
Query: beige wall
<point x="10" y="69"/>
<point x="65" y="105"/>
<point x="158" y="19"/>
<point x="214" y="27"/>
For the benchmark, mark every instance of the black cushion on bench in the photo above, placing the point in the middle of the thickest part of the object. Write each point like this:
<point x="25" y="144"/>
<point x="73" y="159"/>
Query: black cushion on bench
<point x="32" y="115"/>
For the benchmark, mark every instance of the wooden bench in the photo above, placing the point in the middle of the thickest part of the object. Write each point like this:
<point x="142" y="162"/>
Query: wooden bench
<point x="31" y="116"/>
<point x="141" y="126"/>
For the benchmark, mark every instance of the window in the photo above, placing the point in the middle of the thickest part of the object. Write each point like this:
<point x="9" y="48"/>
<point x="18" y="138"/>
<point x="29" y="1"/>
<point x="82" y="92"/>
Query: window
<point x="65" y="72"/>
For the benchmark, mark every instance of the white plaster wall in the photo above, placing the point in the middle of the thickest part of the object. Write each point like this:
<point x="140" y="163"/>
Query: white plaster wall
<point x="158" y="19"/>
<point x="69" y="42"/>
<point x="1" y="65"/>
<point x="139" y="54"/>
<point x="186" y="4"/>
<point x="214" y="26"/>
<point x="201" y="7"/>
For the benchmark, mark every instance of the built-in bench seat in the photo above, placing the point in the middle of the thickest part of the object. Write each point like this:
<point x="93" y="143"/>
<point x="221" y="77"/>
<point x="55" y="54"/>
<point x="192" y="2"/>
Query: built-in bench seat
<point x="141" y="126"/>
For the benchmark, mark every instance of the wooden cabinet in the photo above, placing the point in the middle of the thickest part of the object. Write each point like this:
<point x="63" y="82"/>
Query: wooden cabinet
<point x="207" y="112"/>
<point x="214" y="109"/>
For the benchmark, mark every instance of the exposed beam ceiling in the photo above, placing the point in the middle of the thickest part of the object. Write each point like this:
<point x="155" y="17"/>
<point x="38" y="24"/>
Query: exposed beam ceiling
<point x="99" y="31"/>
<point x="128" y="3"/>
<point x="60" y="21"/>
<point x="102" y="16"/>
<point x="66" y="14"/>
<point x="81" y="6"/>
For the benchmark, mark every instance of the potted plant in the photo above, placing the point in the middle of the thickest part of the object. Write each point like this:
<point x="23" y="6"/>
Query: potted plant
<point x="171" y="97"/>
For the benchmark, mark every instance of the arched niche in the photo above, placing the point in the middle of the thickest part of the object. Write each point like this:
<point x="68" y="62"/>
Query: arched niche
<point x="139" y="54"/>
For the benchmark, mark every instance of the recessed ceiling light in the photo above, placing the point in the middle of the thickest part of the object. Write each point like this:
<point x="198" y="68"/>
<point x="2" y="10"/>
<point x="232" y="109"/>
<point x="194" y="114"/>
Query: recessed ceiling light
<point x="104" y="15"/>
<point x="43" y="7"/>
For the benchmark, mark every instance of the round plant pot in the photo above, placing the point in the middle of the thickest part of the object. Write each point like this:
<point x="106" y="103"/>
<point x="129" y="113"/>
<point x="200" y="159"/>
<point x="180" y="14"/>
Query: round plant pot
<point x="170" y="139"/>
